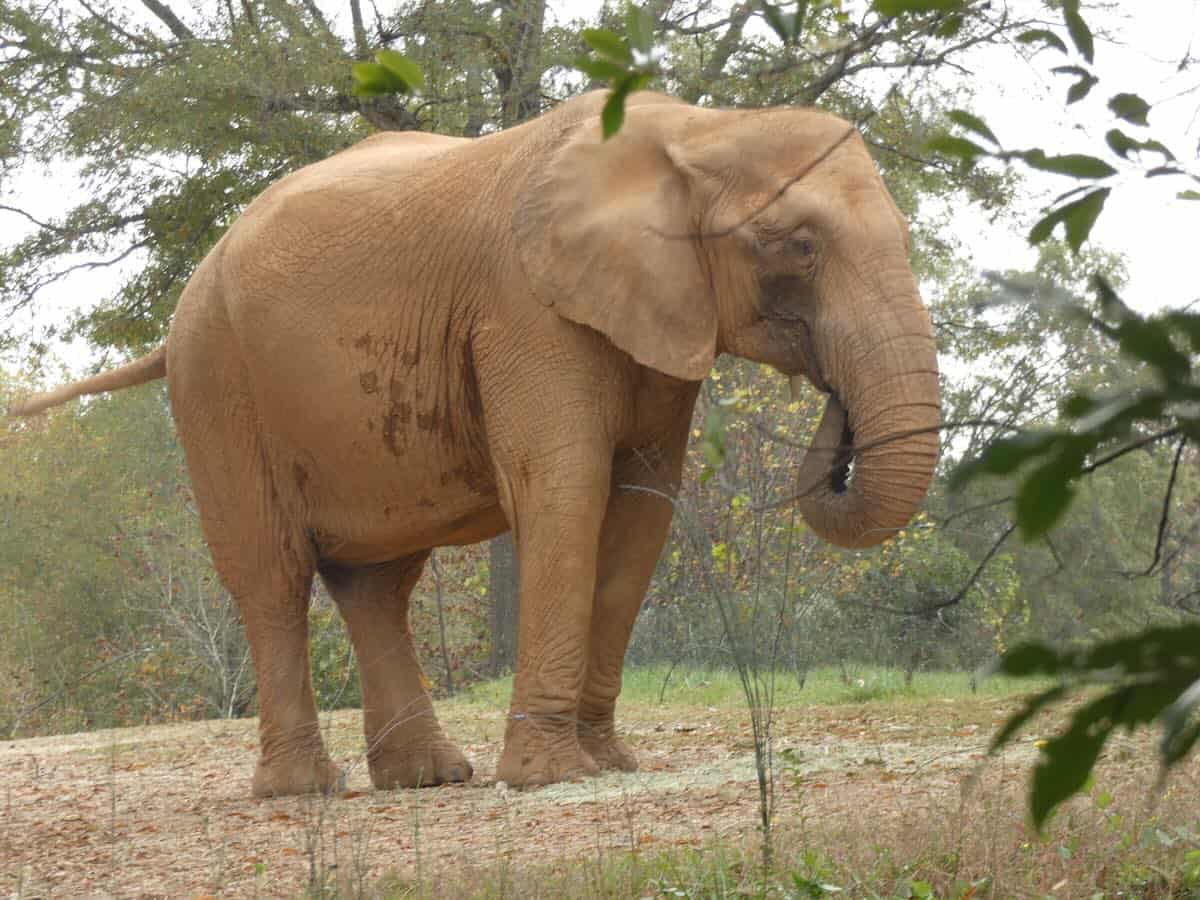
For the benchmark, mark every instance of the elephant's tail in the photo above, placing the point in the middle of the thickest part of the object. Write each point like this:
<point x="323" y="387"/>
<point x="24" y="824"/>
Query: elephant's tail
<point x="151" y="366"/>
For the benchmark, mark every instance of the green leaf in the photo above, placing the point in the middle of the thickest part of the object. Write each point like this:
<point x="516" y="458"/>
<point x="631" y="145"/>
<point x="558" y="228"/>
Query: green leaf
<point x="402" y="67"/>
<point x="950" y="145"/>
<point x="1159" y="171"/>
<point x="1181" y="727"/>
<point x="1023" y="716"/>
<point x="1111" y="304"/>
<point x="1129" y="107"/>
<point x="1044" y="496"/>
<point x="1077" y="217"/>
<point x="1083" y="85"/>
<point x="1042" y="35"/>
<point x="972" y="123"/>
<point x="1006" y="455"/>
<point x="1078" y="405"/>
<point x="1077" y="165"/>
<point x="1032" y="659"/>
<point x="1122" y="145"/>
<point x="891" y="8"/>
<point x="1067" y="759"/>
<point x="639" y="28"/>
<point x="1188" y="195"/>
<point x="1114" y="415"/>
<point x="600" y="69"/>
<point x="373" y="80"/>
<point x="613" y="115"/>
<point x="950" y="26"/>
<point x="1081" y="35"/>
<point x="607" y="44"/>
<point x="1150" y="341"/>
<point x="1188" y="324"/>
<point x="1081" y="88"/>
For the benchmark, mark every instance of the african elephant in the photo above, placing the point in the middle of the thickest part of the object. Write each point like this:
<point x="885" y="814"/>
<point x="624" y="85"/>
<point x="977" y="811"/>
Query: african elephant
<point x="426" y="341"/>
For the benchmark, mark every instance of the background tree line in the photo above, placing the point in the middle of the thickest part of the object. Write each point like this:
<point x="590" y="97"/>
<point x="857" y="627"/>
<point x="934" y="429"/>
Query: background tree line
<point x="110" y="611"/>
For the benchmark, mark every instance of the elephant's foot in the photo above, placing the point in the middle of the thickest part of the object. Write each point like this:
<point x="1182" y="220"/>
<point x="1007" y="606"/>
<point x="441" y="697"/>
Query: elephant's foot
<point x="609" y="751"/>
<point x="297" y="773"/>
<point x="433" y="763"/>
<point x="536" y="755"/>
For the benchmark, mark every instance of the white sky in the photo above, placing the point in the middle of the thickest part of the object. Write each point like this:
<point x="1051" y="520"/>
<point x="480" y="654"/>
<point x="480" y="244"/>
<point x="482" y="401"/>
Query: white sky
<point x="1025" y="107"/>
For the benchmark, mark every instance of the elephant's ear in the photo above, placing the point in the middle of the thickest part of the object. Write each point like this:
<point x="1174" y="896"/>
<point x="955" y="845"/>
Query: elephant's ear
<point x="605" y="238"/>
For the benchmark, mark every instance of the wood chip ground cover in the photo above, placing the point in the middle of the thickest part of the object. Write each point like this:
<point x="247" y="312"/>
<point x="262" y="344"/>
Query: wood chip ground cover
<point x="164" y="811"/>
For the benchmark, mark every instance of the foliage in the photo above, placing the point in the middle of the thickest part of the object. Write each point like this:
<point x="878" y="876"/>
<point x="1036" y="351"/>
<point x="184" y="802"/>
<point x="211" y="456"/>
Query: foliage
<point x="626" y="64"/>
<point x="391" y="73"/>
<point x="1156" y="674"/>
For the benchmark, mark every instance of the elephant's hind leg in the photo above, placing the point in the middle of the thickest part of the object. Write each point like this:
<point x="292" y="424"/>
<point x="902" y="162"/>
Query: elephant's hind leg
<point x="406" y="746"/>
<point x="266" y="560"/>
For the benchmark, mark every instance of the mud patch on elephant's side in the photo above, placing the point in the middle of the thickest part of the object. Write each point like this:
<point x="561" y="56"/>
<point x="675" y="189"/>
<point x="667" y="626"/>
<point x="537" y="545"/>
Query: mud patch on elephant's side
<point x="394" y="420"/>
<point x="428" y="421"/>
<point x="476" y="482"/>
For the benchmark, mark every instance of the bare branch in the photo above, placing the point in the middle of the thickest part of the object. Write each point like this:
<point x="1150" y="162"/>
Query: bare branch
<point x="1165" y="517"/>
<point x="168" y="18"/>
<point x="114" y="27"/>
<point x="361" y="50"/>
<point x="37" y="222"/>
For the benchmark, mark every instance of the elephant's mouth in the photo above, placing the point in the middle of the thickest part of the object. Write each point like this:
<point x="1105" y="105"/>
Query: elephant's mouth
<point x="841" y="455"/>
<point x="841" y="471"/>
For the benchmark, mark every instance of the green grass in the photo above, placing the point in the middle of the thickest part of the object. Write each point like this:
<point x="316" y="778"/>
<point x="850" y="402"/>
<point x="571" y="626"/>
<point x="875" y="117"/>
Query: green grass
<point x="822" y="687"/>
<point x="940" y="861"/>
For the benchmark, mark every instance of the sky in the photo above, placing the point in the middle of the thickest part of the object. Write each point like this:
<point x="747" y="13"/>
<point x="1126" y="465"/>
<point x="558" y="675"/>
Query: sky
<point x="1023" y="104"/>
<point x="1158" y="233"/>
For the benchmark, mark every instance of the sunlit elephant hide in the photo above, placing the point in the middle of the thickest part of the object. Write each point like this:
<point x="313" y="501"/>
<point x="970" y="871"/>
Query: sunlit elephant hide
<point x="426" y="341"/>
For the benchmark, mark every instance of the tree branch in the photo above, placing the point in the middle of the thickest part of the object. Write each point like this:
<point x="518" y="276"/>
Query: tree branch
<point x="1165" y="517"/>
<point x="361" y="49"/>
<point x="114" y="27"/>
<point x="168" y="18"/>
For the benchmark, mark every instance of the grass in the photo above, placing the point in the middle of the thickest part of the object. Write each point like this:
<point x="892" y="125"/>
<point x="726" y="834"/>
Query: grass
<point x="1094" y="854"/>
<point x="826" y="686"/>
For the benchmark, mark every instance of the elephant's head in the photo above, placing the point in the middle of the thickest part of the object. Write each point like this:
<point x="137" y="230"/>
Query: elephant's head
<point x="768" y="235"/>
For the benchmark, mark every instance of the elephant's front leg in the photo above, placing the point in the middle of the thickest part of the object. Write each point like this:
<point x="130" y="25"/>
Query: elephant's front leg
<point x="635" y="528"/>
<point x="558" y="515"/>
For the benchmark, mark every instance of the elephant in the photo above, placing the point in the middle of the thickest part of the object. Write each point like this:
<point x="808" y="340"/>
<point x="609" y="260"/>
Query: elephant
<point x="425" y="341"/>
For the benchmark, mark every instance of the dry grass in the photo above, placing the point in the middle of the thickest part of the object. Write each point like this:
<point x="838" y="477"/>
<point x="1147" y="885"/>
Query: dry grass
<point x="878" y="799"/>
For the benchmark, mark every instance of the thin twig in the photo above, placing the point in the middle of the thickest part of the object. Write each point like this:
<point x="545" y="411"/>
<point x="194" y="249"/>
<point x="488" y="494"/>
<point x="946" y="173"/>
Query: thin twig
<point x="1165" y="517"/>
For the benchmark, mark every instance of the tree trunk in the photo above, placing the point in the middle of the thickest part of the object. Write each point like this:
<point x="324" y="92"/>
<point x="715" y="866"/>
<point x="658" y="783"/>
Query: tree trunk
<point x="503" y="597"/>
<point x="519" y="71"/>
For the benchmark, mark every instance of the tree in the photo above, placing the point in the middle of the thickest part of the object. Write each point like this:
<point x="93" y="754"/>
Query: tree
<point x="180" y="118"/>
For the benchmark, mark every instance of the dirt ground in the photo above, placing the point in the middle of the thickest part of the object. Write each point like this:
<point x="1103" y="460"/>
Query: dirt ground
<point x="165" y="811"/>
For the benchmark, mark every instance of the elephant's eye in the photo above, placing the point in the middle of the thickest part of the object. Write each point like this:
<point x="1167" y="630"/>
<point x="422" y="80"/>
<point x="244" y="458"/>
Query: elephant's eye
<point x="802" y="246"/>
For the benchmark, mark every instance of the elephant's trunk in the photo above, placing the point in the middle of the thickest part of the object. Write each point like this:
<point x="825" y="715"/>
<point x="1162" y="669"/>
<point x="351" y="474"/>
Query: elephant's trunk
<point x="873" y="456"/>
